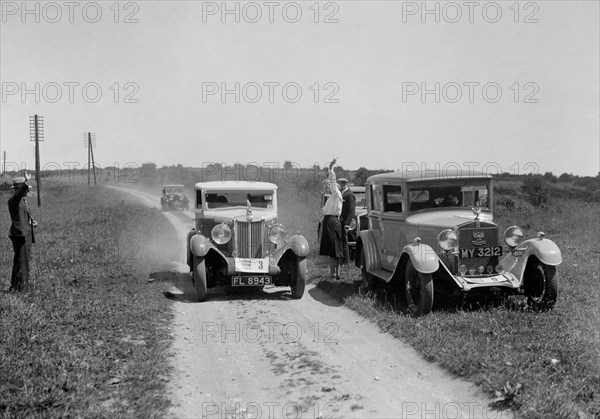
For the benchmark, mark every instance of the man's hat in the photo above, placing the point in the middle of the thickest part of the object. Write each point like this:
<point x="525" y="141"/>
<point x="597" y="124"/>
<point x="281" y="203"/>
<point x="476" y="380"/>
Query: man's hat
<point x="17" y="181"/>
<point x="342" y="180"/>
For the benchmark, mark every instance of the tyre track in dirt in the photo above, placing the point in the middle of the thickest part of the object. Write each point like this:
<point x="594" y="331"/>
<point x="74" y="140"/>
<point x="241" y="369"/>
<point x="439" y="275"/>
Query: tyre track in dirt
<point x="260" y="354"/>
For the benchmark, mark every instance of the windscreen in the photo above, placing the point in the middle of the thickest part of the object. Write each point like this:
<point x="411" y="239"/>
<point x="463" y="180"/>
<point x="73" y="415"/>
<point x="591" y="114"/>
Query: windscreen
<point x="466" y="194"/>
<point x="225" y="199"/>
<point x="361" y="199"/>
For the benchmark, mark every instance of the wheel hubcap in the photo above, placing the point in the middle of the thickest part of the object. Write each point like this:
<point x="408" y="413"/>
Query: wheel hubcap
<point x="538" y="288"/>
<point x="413" y="292"/>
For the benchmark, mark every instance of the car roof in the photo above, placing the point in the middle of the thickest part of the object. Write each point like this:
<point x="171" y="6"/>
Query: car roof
<point x="230" y="185"/>
<point x="429" y="175"/>
<point x="357" y="188"/>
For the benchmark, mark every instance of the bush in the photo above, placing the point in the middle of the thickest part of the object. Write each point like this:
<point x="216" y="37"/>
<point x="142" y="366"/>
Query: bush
<point x="566" y="177"/>
<point x="550" y="177"/>
<point x="536" y="187"/>
<point x="505" y="202"/>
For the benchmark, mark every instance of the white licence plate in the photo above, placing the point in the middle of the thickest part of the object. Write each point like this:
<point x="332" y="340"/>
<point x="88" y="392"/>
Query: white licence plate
<point x="252" y="265"/>
<point x="250" y="281"/>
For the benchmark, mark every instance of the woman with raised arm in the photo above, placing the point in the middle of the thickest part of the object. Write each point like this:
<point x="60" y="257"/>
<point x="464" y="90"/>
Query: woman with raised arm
<point x="331" y="231"/>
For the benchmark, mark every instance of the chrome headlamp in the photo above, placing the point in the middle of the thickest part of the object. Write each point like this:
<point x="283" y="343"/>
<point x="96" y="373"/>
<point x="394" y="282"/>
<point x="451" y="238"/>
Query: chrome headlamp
<point x="277" y="233"/>
<point x="448" y="239"/>
<point x="513" y="236"/>
<point x="221" y="233"/>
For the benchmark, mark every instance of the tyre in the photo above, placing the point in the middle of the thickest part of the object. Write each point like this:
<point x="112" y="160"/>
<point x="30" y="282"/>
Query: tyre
<point x="418" y="290"/>
<point x="368" y="281"/>
<point x="319" y="236"/>
<point x="199" y="277"/>
<point x="298" y="279"/>
<point x="541" y="285"/>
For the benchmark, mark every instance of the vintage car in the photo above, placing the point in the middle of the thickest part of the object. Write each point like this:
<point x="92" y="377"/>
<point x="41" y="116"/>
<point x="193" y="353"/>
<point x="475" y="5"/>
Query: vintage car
<point x="238" y="241"/>
<point x="359" y="222"/>
<point x="435" y="233"/>
<point x="174" y="197"/>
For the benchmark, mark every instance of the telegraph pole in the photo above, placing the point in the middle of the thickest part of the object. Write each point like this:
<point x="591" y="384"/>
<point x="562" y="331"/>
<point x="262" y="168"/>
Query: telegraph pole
<point x="89" y="141"/>
<point x="36" y="133"/>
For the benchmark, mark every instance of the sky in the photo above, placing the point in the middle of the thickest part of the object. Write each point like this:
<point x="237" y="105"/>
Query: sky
<point x="496" y="86"/>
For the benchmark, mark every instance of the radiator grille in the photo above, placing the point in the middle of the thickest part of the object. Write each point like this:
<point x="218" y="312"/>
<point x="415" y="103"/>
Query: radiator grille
<point x="250" y="239"/>
<point x="473" y="237"/>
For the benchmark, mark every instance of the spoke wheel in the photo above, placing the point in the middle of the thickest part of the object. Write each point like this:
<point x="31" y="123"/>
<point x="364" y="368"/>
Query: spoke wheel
<point x="418" y="291"/>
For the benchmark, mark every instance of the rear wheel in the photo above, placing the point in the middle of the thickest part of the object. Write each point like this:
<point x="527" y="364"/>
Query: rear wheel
<point x="200" y="279"/>
<point x="418" y="290"/>
<point x="298" y="279"/>
<point x="541" y="285"/>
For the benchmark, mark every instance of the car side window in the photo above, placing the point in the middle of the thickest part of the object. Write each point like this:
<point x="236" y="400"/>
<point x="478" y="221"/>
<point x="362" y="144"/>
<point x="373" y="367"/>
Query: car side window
<point x="392" y="198"/>
<point x="376" y="197"/>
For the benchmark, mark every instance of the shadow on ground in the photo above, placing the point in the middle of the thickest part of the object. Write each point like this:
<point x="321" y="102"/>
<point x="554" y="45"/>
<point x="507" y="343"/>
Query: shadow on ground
<point x="183" y="290"/>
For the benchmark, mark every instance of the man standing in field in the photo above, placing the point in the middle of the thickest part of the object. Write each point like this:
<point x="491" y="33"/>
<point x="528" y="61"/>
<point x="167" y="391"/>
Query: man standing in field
<point x="348" y="208"/>
<point x="21" y="234"/>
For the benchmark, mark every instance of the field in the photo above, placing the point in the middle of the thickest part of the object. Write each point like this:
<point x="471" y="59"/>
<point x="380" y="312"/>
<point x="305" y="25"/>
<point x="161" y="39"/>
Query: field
<point x="539" y="364"/>
<point x="92" y="338"/>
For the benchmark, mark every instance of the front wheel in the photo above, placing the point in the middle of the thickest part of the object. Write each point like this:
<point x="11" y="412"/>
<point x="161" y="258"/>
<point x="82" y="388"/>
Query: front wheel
<point x="298" y="279"/>
<point x="368" y="282"/>
<point x="418" y="290"/>
<point x="541" y="285"/>
<point x="200" y="279"/>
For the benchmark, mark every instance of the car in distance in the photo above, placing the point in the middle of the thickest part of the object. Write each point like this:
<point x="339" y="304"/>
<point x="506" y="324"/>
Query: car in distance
<point x="359" y="222"/>
<point x="437" y="234"/>
<point x="174" y="197"/>
<point x="238" y="242"/>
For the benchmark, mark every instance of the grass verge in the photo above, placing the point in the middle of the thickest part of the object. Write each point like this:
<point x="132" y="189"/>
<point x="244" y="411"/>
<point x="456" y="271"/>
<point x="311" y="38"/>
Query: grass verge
<point x="91" y="338"/>
<point x="538" y="364"/>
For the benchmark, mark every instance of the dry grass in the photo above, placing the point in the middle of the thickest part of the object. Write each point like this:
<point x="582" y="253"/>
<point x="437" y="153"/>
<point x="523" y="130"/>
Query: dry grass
<point x="538" y="364"/>
<point x="92" y="320"/>
<point x="91" y="338"/>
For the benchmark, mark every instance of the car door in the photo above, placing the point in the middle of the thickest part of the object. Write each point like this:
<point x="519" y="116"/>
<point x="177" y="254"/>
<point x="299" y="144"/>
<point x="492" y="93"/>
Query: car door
<point x="375" y="208"/>
<point x="393" y="222"/>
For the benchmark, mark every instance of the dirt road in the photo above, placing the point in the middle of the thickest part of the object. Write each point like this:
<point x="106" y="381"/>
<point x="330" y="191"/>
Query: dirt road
<point x="260" y="354"/>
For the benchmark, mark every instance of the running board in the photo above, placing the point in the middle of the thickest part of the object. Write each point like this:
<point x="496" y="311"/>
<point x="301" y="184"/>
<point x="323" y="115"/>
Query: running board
<point x="382" y="274"/>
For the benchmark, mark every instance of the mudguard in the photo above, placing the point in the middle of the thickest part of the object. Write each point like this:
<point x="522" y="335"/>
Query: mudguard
<point x="297" y="244"/>
<point x="366" y="240"/>
<point x="423" y="257"/>
<point x="545" y="250"/>
<point x="200" y="245"/>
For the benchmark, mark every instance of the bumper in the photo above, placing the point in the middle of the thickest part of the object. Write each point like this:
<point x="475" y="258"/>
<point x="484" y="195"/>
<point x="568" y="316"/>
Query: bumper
<point x="504" y="280"/>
